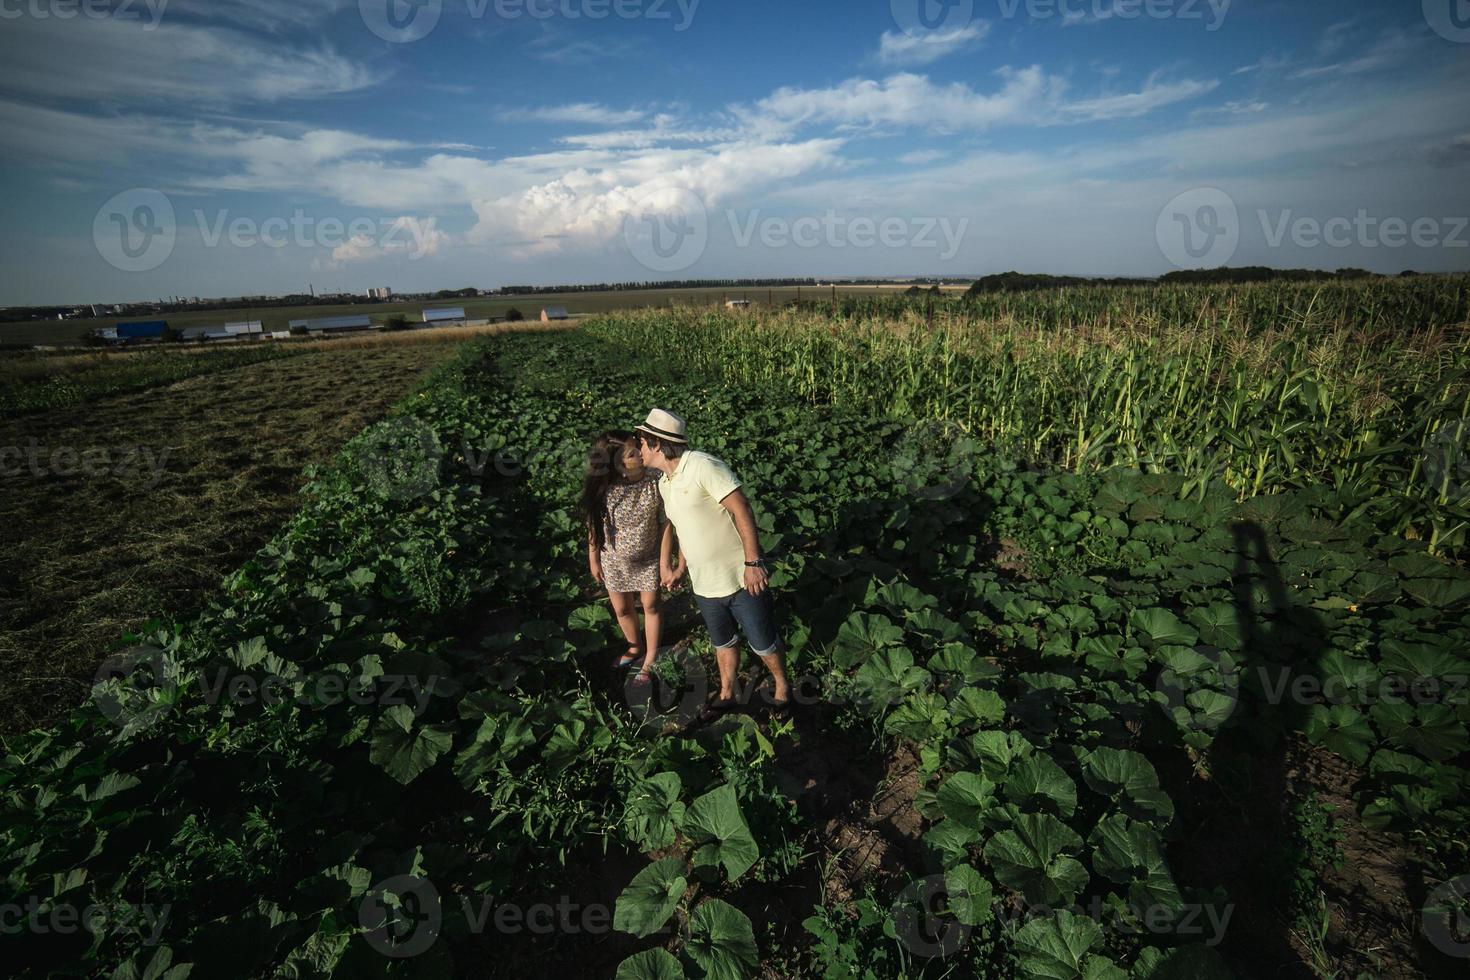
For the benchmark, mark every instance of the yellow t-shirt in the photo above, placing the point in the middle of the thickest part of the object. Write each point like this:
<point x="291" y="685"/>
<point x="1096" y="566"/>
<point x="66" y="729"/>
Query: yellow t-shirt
<point x="707" y="536"/>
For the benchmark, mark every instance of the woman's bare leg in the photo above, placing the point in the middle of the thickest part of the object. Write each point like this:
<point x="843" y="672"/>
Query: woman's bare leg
<point x="625" y="609"/>
<point x="652" y="625"/>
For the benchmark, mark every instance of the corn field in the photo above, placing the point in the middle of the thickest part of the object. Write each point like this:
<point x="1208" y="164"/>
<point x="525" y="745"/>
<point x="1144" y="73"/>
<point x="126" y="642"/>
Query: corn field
<point x="1355" y="389"/>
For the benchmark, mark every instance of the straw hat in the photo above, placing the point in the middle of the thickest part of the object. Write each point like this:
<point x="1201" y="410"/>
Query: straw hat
<point x="665" y="425"/>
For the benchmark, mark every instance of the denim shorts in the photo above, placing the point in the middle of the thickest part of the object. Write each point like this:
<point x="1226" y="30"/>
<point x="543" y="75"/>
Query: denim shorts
<point x="754" y="614"/>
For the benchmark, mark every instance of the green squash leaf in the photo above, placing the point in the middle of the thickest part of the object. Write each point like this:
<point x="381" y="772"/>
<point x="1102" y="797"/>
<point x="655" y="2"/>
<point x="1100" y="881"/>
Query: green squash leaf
<point x="404" y="750"/>
<point x="1034" y="858"/>
<point x="651" y="964"/>
<point x="648" y="901"/>
<point x="716" y="818"/>
<point x="722" y="941"/>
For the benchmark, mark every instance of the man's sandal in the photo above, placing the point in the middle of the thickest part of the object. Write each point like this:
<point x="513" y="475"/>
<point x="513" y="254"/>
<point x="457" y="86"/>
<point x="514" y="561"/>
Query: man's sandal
<point x="714" y="709"/>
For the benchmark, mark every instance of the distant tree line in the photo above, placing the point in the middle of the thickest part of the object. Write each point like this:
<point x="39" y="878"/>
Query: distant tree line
<point x="1259" y="273"/>
<point x="1020" y="282"/>
<point x="613" y="287"/>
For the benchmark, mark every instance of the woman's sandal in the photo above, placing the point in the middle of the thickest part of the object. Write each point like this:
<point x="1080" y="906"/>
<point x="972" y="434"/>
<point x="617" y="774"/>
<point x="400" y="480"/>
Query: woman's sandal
<point x="629" y="659"/>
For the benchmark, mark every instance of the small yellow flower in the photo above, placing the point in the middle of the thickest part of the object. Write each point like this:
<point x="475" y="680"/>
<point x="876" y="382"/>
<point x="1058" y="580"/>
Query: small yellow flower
<point x="1353" y="608"/>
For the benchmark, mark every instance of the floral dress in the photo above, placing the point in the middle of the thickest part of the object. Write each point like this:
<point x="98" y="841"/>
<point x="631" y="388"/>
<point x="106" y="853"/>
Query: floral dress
<point x="635" y="523"/>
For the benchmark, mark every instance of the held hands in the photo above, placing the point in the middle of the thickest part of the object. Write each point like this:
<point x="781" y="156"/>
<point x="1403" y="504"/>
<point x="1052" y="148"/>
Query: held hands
<point x="671" y="577"/>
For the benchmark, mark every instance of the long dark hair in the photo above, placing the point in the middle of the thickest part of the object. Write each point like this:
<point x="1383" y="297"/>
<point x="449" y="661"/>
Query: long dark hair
<point x="602" y="473"/>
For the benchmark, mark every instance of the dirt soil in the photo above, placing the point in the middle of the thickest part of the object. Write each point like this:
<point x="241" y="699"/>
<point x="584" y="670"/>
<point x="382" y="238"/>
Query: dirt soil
<point x="139" y="505"/>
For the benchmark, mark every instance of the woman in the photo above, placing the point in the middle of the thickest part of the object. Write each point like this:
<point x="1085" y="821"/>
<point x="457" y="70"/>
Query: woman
<point x="625" y="520"/>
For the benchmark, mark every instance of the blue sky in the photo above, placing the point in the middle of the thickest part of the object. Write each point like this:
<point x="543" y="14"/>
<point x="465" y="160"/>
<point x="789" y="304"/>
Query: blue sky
<point x="225" y="147"/>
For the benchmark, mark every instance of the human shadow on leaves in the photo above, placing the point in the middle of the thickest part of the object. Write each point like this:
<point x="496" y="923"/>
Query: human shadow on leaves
<point x="1235" y="810"/>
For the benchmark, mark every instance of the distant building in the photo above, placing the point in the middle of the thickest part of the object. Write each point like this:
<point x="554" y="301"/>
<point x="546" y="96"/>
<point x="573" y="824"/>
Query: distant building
<point x="553" y="313"/>
<point x="278" y="335"/>
<point x="245" y="328"/>
<point x="737" y="304"/>
<point x="380" y="292"/>
<point x="445" y="316"/>
<point x="333" y="325"/>
<point x="141" y="330"/>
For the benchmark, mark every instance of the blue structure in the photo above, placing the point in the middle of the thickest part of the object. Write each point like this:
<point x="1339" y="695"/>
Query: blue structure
<point x="142" y="330"/>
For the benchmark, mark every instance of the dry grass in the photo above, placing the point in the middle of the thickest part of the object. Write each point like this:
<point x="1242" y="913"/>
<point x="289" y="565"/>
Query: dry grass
<point x="440" y="335"/>
<point x="92" y="556"/>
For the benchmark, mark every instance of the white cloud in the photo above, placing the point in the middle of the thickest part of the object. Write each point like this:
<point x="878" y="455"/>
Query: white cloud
<point x="921" y="157"/>
<point x="908" y="100"/>
<point x="402" y="237"/>
<point x="577" y="112"/>
<point x="550" y="47"/>
<point x="1335" y="37"/>
<point x="1027" y="96"/>
<point x="1387" y="51"/>
<point x="663" y="129"/>
<point x="898" y="48"/>
<point x="272" y="16"/>
<point x="115" y="61"/>
<point x="586" y="208"/>
<point x="1154" y="95"/>
<point x="1240" y="107"/>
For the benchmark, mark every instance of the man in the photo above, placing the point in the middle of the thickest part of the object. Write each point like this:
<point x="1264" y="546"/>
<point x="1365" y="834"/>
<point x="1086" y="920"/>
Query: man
<point x="719" y="548"/>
